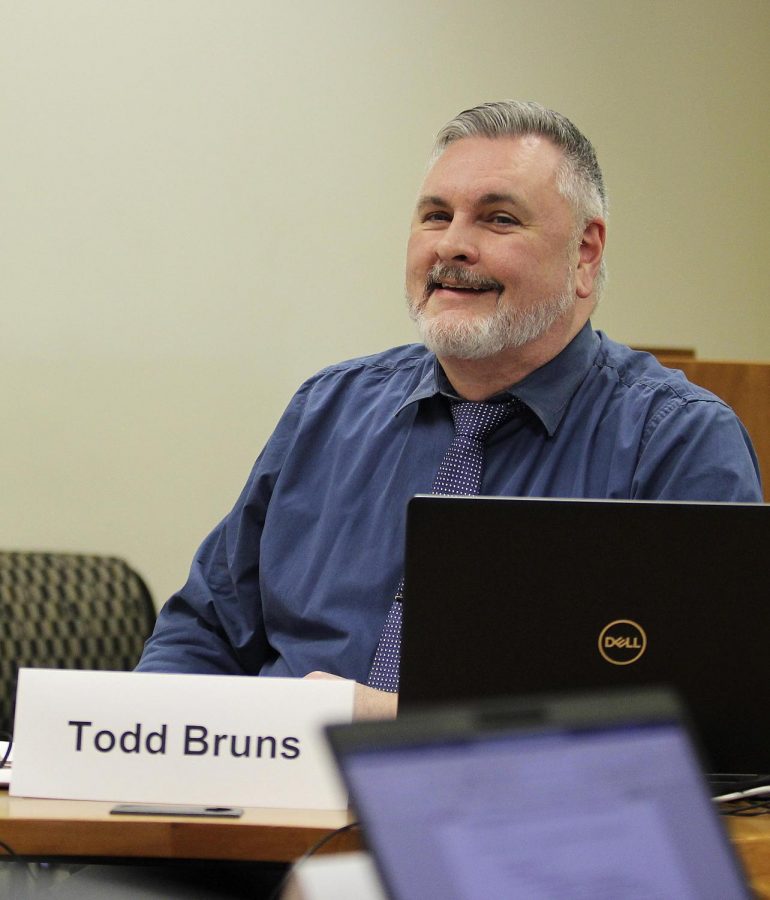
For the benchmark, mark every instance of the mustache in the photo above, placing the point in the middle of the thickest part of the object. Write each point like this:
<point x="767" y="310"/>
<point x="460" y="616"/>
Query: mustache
<point x="459" y="276"/>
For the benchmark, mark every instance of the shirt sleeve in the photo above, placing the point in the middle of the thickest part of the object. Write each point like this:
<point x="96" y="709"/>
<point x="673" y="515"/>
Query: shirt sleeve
<point x="214" y="624"/>
<point x="697" y="449"/>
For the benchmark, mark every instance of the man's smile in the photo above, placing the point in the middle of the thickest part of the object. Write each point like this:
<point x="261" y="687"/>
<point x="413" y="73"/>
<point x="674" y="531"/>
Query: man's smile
<point x="456" y="280"/>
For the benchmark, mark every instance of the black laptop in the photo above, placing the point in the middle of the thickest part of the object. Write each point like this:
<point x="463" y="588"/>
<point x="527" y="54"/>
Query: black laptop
<point x="595" y="796"/>
<point x="514" y="596"/>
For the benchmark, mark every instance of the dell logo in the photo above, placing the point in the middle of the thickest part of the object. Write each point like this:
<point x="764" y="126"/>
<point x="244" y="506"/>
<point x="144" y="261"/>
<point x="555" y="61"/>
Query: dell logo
<point x="622" y="642"/>
<point x="633" y="643"/>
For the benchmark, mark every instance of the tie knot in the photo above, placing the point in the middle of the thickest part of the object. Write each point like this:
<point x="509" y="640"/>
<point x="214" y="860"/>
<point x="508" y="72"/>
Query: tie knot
<point x="477" y="421"/>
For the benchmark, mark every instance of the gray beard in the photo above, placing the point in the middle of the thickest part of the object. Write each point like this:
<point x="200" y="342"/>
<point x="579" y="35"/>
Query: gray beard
<point x="479" y="337"/>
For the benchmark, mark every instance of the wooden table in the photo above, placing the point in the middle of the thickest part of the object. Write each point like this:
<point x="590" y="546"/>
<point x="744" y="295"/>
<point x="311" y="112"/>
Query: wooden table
<point x="82" y="828"/>
<point x="79" y="828"/>
<point x="751" y="838"/>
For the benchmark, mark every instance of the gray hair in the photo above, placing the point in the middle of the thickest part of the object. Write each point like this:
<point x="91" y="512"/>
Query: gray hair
<point x="579" y="179"/>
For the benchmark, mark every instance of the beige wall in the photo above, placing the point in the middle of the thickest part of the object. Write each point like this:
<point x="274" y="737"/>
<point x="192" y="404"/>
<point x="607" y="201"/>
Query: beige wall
<point x="204" y="201"/>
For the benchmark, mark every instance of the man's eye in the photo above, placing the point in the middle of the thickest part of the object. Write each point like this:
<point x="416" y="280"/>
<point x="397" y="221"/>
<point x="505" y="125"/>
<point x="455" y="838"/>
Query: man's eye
<point x="504" y="219"/>
<point x="437" y="216"/>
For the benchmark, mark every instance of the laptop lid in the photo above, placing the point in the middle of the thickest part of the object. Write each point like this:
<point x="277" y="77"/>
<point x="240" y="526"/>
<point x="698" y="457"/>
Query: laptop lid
<point x="553" y="796"/>
<point x="510" y="595"/>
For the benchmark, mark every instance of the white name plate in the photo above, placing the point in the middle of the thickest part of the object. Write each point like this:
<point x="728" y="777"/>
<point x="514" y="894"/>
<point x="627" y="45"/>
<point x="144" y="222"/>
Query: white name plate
<point x="194" y="739"/>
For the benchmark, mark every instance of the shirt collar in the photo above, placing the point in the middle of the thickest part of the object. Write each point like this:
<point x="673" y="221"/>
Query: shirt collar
<point x="428" y="384"/>
<point x="546" y="391"/>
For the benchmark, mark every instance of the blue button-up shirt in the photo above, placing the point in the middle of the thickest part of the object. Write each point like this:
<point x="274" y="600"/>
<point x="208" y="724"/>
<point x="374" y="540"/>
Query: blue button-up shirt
<point x="300" y="575"/>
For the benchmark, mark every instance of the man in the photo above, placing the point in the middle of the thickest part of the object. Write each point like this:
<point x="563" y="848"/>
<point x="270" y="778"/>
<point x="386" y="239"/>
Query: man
<point x="504" y="267"/>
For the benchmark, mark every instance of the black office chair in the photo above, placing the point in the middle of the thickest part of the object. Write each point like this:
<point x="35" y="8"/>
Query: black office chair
<point x="68" y="611"/>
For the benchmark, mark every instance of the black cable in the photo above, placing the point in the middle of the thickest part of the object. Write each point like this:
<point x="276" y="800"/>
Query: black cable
<point x="13" y="857"/>
<point x="9" y="851"/>
<point x="327" y="838"/>
<point x="4" y="735"/>
<point x="747" y="806"/>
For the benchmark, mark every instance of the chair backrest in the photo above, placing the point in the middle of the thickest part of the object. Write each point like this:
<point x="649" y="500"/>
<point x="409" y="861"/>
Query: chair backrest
<point x="68" y="611"/>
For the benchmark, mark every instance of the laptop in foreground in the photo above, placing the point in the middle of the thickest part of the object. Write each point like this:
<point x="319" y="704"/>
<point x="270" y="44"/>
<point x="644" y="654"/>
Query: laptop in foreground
<point x="506" y="596"/>
<point x="553" y="796"/>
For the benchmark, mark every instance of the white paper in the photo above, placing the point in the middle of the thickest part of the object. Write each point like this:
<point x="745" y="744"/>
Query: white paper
<point x="202" y="739"/>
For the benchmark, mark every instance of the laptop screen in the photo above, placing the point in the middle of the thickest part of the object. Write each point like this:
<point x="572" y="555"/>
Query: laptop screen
<point x="616" y="811"/>
<point x="514" y="596"/>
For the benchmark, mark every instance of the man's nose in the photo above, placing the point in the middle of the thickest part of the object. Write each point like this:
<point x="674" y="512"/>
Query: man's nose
<point x="457" y="243"/>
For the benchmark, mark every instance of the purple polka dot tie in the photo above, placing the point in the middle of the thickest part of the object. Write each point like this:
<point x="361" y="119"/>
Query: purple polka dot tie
<point x="460" y="472"/>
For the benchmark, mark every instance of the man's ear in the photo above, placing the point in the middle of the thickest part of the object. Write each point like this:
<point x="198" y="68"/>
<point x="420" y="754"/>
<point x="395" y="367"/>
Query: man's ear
<point x="590" y="254"/>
